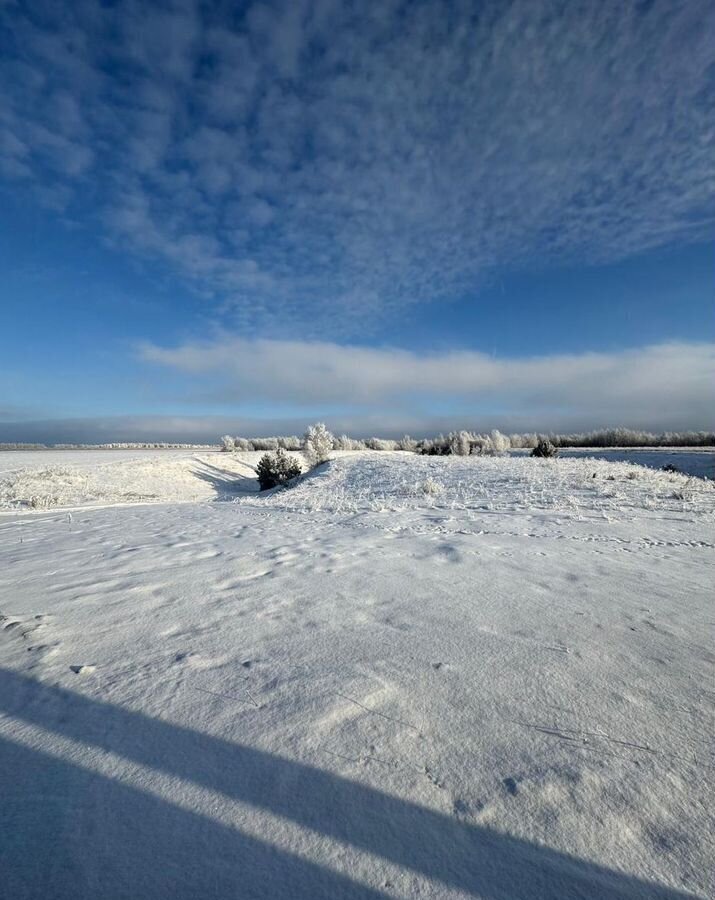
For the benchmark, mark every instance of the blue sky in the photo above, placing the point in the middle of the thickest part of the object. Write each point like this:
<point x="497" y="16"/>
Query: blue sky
<point x="394" y="216"/>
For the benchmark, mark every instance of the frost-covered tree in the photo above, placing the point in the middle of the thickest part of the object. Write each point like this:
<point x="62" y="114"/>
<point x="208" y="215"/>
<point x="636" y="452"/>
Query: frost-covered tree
<point x="317" y="444"/>
<point x="407" y="443"/>
<point x="347" y="443"/>
<point x="227" y="443"/>
<point x="290" y="442"/>
<point x="484" y="445"/>
<point x="500" y="442"/>
<point x="375" y="443"/>
<point x="460" y="443"/>
<point x="438" y="446"/>
<point x="265" y="443"/>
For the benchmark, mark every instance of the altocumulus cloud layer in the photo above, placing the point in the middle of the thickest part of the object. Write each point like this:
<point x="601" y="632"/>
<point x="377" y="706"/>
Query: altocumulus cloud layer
<point x="334" y="161"/>
<point x="659" y="387"/>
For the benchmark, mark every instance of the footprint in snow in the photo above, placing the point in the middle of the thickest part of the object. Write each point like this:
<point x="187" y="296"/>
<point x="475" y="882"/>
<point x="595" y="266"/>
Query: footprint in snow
<point x="512" y="785"/>
<point x="82" y="670"/>
<point x="435" y="779"/>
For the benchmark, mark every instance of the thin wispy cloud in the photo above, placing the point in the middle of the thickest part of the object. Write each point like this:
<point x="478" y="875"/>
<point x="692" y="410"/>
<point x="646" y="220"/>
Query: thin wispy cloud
<point x="334" y="161"/>
<point x="658" y="387"/>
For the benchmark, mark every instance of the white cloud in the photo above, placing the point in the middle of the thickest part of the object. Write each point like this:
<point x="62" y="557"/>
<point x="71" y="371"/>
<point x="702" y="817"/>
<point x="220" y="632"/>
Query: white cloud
<point x="342" y="160"/>
<point x="659" y="387"/>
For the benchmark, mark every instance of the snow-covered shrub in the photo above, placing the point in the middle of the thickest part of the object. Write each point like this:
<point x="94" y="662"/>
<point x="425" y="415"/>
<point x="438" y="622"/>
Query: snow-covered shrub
<point x="460" y="443"/>
<point x="275" y="469"/>
<point x="431" y="488"/>
<point x="265" y="443"/>
<point x="500" y="442"/>
<point x="44" y="501"/>
<point x="375" y="443"/>
<point x="242" y="444"/>
<point x="544" y="449"/>
<point x="407" y="443"/>
<point x="482" y="445"/>
<point x="438" y="446"/>
<point x="227" y="443"/>
<point x="291" y="442"/>
<point x="347" y="443"/>
<point x="317" y="444"/>
<point x="685" y="492"/>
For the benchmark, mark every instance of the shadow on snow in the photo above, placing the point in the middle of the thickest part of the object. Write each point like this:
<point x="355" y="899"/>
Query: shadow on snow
<point x="225" y="482"/>
<point x="71" y="833"/>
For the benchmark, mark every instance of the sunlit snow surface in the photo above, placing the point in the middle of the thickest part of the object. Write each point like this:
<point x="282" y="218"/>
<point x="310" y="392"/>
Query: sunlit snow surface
<point x="404" y="677"/>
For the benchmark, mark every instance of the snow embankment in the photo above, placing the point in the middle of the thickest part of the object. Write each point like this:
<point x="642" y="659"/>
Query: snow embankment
<point x="388" y="481"/>
<point x="83" y="478"/>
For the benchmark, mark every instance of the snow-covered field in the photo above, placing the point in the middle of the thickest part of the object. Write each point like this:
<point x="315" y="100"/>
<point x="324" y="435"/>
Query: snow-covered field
<point x="405" y="677"/>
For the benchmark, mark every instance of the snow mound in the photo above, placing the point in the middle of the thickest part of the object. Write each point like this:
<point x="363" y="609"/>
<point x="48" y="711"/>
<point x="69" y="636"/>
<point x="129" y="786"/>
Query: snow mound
<point x="398" y="481"/>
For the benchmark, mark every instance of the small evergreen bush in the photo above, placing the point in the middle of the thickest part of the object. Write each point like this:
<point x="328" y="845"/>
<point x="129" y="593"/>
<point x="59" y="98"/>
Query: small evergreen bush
<point x="545" y="449"/>
<point x="275" y="469"/>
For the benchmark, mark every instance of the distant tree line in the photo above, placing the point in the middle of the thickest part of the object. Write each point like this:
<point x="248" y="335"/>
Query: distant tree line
<point x="627" y="437"/>
<point x="466" y="443"/>
<point x="460" y="443"/>
<point x="124" y="445"/>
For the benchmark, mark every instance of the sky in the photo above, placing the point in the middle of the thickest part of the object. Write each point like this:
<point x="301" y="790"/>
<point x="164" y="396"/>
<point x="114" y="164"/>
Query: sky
<point x="389" y="216"/>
